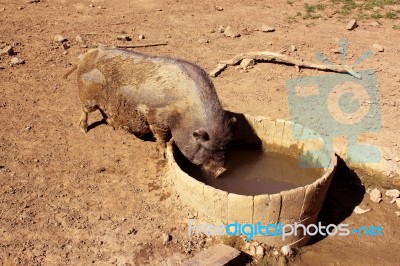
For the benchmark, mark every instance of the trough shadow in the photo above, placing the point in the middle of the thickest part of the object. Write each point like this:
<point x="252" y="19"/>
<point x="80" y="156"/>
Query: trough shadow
<point x="345" y="193"/>
<point x="243" y="134"/>
<point x="96" y="124"/>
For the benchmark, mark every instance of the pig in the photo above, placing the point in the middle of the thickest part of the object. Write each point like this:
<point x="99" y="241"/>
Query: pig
<point x="161" y="96"/>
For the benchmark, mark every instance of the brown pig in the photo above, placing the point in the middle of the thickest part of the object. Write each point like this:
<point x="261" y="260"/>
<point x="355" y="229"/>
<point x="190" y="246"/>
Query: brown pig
<point x="161" y="96"/>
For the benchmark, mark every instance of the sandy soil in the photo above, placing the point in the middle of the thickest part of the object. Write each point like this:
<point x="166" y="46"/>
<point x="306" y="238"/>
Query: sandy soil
<point x="101" y="198"/>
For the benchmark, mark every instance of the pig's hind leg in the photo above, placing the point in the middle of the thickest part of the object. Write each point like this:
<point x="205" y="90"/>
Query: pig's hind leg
<point x="83" y="124"/>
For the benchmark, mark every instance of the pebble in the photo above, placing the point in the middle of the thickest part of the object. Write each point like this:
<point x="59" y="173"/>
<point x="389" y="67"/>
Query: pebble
<point x="91" y="5"/>
<point x="219" y="8"/>
<point x="359" y="210"/>
<point x="252" y="251"/>
<point x="33" y="1"/>
<point x="397" y="159"/>
<point x="59" y="39"/>
<point x="286" y="250"/>
<point x="394" y="193"/>
<point x="260" y="251"/>
<point x="398" y="202"/>
<point x="230" y="32"/>
<point x="124" y="38"/>
<point x="247" y="63"/>
<point x="7" y="50"/>
<point x="293" y="48"/>
<point x="375" y="24"/>
<point x="397" y="213"/>
<point x="203" y="41"/>
<point x="141" y="37"/>
<point x="16" y="61"/>
<point x="166" y="238"/>
<point x="266" y="28"/>
<point x="351" y="25"/>
<point x="65" y="45"/>
<point x="221" y="29"/>
<point x="275" y="253"/>
<point x="377" y="47"/>
<point x="375" y="195"/>
<point x="78" y="38"/>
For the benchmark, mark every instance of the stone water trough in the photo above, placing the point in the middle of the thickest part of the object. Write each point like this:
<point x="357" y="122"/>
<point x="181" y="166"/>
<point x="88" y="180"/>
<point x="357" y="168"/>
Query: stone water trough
<point x="301" y="205"/>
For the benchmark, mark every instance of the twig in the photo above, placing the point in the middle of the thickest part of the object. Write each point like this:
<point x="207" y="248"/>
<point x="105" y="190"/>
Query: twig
<point x="280" y="58"/>
<point x="141" y="45"/>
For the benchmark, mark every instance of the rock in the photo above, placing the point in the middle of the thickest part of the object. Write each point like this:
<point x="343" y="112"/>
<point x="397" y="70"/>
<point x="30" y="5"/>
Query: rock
<point x="377" y="47"/>
<point x="1" y="67"/>
<point x="219" y="8"/>
<point x="247" y="63"/>
<point x="351" y="25"/>
<point x="252" y="251"/>
<point x="168" y="36"/>
<point x="79" y="39"/>
<point x="397" y="213"/>
<point x="275" y="253"/>
<point x="33" y="1"/>
<point x="202" y="41"/>
<point x="394" y="193"/>
<point x="124" y="38"/>
<point x="398" y="202"/>
<point x="230" y="32"/>
<point x="266" y="28"/>
<point x="83" y="46"/>
<point x="7" y="50"/>
<point x="397" y="159"/>
<point x="141" y="37"/>
<point x="375" y="24"/>
<point x="359" y="210"/>
<point x="375" y="196"/>
<point x="260" y="251"/>
<point x="65" y="45"/>
<point x="17" y="61"/>
<point x="166" y="238"/>
<point x="293" y="48"/>
<point x="221" y="29"/>
<point x="286" y="250"/>
<point x="91" y="5"/>
<point x="60" y="39"/>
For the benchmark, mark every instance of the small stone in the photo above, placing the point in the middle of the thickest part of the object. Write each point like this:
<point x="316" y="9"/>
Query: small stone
<point x="230" y="32"/>
<point x="65" y="52"/>
<point x="397" y="159"/>
<point x="20" y="7"/>
<point x="2" y="9"/>
<point x="83" y="46"/>
<point x="221" y="29"/>
<point x="359" y="210"/>
<point x="260" y="251"/>
<point x="252" y="251"/>
<point x="286" y="250"/>
<point x="397" y="213"/>
<point x="141" y="37"/>
<point x="247" y="63"/>
<point x="124" y="38"/>
<point x="378" y="47"/>
<point x="398" y="202"/>
<point x="91" y="5"/>
<point x="375" y="196"/>
<point x="375" y="24"/>
<point x="266" y="28"/>
<point x="65" y="45"/>
<point x="203" y="41"/>
<point x="9" y="50"/>
<point x="159" y="9"/>
<point x="168" y="36"/>
<point x="79" y="39"/>
<point x="33" y="1"/>
<point x="101" y="7"/>
<point x="275" y="253"/>
<point x="335" y="50"/>
<point x="394" y="193"/>
<point x="293" y="48"/>
<point x="60" y="39"/>
<point x="219" y="8"/>
<point x="166" y="238"/>
<point x="1" y="67"/>
<point x="17" y="61"/>
<point x="351" y="25"/>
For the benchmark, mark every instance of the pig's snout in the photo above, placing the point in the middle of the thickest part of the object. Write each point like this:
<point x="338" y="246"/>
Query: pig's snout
<point x="213" y="170"/>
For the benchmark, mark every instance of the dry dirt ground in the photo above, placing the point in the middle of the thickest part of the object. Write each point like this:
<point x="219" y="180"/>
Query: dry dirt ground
<point x="101" y="198"/>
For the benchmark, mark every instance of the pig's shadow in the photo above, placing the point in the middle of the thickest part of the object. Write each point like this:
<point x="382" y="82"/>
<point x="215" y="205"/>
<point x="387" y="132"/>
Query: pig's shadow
<point x="145" y="137"/>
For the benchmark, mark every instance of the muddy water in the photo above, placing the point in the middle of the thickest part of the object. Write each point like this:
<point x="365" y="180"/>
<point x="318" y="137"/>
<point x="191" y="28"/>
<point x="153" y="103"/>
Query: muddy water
<point x="254" y="172"/>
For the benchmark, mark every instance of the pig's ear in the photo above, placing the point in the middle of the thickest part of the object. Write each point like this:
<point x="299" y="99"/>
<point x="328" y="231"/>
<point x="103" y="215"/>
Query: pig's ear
<point x="232" y="121"/>
<point x="201" y="135"/>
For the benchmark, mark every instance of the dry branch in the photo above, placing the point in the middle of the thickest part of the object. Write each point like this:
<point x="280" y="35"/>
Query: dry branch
<point x="141" y="45"/>
<point x="280" y="58"/>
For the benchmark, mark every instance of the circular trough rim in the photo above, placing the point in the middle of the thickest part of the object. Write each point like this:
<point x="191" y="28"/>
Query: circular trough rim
<point x="187" y="186"/>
